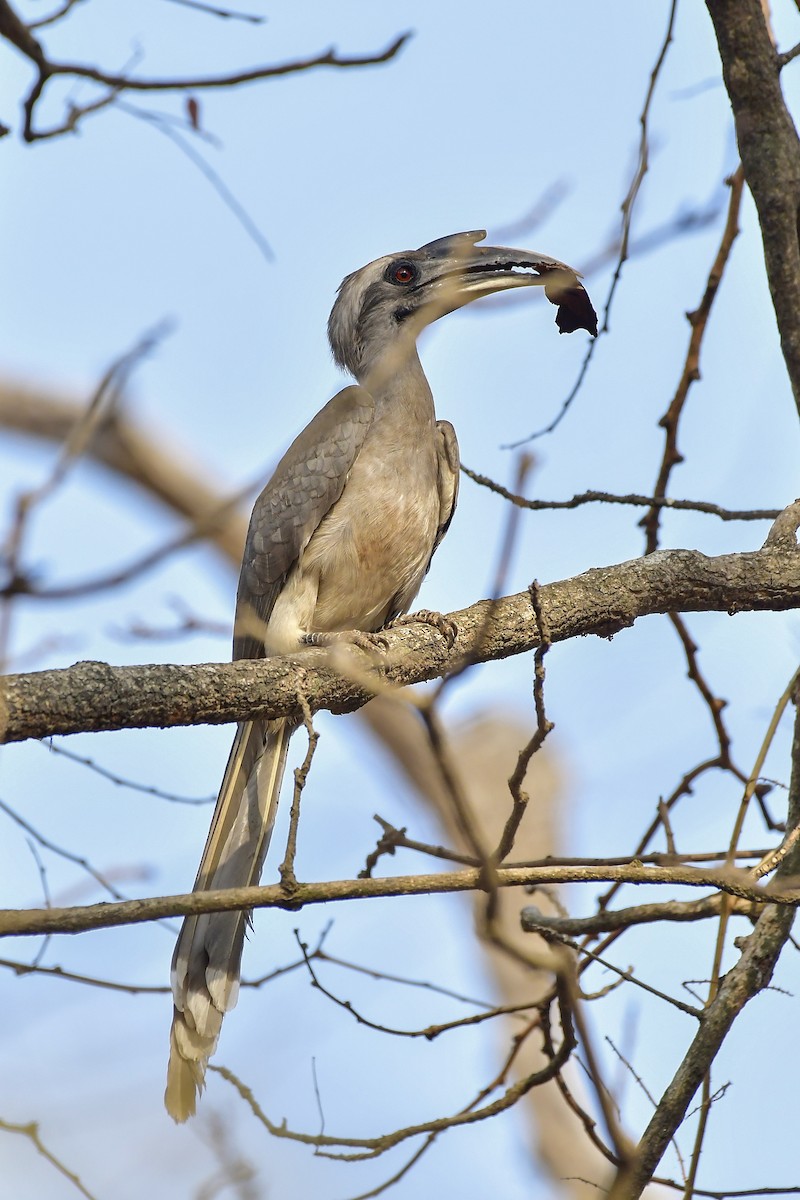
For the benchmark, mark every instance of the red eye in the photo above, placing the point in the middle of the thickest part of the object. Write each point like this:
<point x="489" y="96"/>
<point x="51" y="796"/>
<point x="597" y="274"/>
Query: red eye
<point x="403" y="273"/>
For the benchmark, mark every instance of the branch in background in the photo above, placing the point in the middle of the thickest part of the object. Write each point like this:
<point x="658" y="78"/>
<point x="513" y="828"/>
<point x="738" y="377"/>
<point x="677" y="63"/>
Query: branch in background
<point x="19" y="583"/>
<point x="13" y="29"/>
<point x="642" y="914"/>
<point x="78" y="436"/>
<point x="698" y="320"/>
<point x="144" y="458"/>
<point x="628" y="204"/>
<point x="30" y="1130"/>
<point x="750" y="975"/>
<point x="362" y="1149"/>
<point x="770" y="152"/>
<point x="54" y="16"/>
<point x="226" y="14"/>
<point x="112" y="777"/>
<point x="671" y="457"/>
<point x="80" y="919"/>
<point x="163" y="123"/>
<point x="632" y="498"/>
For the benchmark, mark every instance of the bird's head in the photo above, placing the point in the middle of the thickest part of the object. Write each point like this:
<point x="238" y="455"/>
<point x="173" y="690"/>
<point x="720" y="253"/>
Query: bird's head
<point x="388" y="303"/>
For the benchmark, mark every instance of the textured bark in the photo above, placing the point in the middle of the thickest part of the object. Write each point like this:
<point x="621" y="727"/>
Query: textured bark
<point x="770" y="150"/>
<point x="95" y="696"/>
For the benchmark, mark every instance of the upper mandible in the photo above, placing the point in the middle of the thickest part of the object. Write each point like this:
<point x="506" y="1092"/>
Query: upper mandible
<point x="393" y="298"/>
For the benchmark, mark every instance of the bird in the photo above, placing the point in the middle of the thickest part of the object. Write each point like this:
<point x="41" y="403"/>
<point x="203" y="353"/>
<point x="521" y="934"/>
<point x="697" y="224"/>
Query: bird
<point x="339" y="542"/>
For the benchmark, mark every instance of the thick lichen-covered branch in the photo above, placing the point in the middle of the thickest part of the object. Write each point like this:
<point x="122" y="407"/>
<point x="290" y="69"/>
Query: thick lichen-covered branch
<point x="94" y="696"/>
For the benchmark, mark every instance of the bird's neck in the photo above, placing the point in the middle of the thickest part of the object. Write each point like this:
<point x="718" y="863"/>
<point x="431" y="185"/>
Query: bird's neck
<point x="397" y="381"/>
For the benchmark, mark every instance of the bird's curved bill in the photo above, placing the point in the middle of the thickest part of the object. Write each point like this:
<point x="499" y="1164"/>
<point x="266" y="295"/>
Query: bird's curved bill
<point x="470" y="271"/>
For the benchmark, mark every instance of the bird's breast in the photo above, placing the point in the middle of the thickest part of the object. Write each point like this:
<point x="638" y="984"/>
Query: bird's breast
<point x="371" y="551"/>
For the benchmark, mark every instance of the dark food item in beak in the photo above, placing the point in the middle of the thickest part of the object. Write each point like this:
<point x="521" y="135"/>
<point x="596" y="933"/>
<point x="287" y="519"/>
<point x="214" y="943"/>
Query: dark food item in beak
<point x="575" y="309"/>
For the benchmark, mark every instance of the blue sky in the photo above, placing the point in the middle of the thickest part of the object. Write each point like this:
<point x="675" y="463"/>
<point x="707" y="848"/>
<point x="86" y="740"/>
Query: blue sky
<point x="107" y="233"/>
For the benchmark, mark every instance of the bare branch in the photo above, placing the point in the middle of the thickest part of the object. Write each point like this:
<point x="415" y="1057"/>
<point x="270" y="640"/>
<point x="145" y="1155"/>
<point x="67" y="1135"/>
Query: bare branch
<point x="16" y="923"/>
<point x="206" y="526"/>
<point x="698" y="320"/>
<point x="77" y="438"/>
<point x="77" y="859"/>
<point x="633" y="499"/>
<point x="132" y="453"/>
<point x="628" y="205"/>
<point x="327" y="58"/>
<point x="750" y="975"/>
<point x="366" y="1148"/>
<point x="544" y="726"/>
<point x="30" y="1130"/>
<point x="770" y="151"/>
<point x="227" y="14"/>
<point x="120" y="781"/>
<point x="603" y="601"/>
<point x="163" y="125"/>
<point x="286" y="869"/>
<point x="430" y="1032"/>
<point x="16" y="32"/>
<point x="606" y="920"/>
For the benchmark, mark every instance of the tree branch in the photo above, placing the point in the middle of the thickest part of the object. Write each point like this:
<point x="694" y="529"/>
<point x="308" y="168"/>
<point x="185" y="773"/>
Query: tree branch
<point x="164" y="472"/>
<point x="79" y="919"/>
<point x="328" y="58"/>
<point x="14" y="30"/>
<point x="95" y="696"/>
<point x="770" y="151"/>
<point x="593" y="496"/>
<point x="750" y="975"/>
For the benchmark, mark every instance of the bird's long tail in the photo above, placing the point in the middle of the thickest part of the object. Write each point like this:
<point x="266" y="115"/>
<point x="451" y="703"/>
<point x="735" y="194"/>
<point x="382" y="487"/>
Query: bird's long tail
<point x="206" y="963"/>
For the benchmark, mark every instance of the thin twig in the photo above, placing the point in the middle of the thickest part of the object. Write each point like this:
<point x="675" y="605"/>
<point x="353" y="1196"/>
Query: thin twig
<point x="119" y="780"/>
<point x="393" y="839"/>
<point x="78" y="438"/>
<point x="232" y="203"/>
<point x="13" y="29"/>
<point x="645" y="1089"/>
<point x="31" y="1131"/>
<point x="54" y="16"/>
<point x="77" y="859"/>
<point x="628" y="205"/>
<point x="698" y="320"/>
<point x="633" y="499"/>
<point x="544" y="726"/>
<point x="228" y="14"/>
<point x="362" y="1149"/>
<point x="286" y="869"/>
<point x="724" y="915"/>
<point x="404" y="980"/>
<point x="429" y="1032"/>
<point x="745" y="979"/>
<point x="200" y="528"/>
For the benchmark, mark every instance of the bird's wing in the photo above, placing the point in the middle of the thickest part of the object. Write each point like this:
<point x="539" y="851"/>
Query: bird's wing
<point x="449" y="464"/>
<point x="307" y="482"/>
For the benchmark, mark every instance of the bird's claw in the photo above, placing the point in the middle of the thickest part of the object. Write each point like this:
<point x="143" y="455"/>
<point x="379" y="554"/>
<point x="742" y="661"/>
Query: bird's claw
<point x="368" y="642"/>
<point x="447" y="628"/>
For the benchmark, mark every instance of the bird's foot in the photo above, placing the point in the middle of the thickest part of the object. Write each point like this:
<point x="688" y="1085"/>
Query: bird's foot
<point x="447" y="628"/>
<point x="368" y="642"/>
